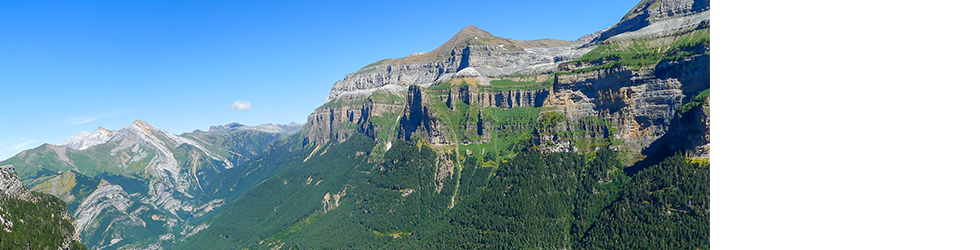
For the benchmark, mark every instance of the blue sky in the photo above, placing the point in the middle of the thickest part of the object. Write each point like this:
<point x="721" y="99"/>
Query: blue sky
<point x="72" y="66"/>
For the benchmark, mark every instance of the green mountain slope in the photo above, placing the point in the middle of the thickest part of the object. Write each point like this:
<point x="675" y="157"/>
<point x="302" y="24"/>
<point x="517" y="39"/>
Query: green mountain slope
<point x="143" y="187"/>
<point x="559" y="200"/>
<point x="609" y="148"/>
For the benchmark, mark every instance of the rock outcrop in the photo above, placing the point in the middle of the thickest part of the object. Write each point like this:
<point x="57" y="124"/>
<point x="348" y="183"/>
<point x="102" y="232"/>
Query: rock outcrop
<point x="640" y="103"/>
<point x="418" y="120"/>
<point x="10" y="185"/>
<point x="31" y="220"/>
<point x="504" y="99"/>
<point x="343" y="117"/>
<point x="658" y="17"/>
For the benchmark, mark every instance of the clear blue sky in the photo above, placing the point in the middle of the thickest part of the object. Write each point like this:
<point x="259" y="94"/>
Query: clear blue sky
<point x="72" y="66"/>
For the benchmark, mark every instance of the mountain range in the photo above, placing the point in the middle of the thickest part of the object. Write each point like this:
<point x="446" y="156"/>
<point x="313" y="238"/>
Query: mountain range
<point x="483" y="142"/>
<point x="143" y="186"/>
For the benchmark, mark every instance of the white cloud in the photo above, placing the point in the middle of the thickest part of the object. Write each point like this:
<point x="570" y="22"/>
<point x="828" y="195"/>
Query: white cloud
<point x="240" y="106"/>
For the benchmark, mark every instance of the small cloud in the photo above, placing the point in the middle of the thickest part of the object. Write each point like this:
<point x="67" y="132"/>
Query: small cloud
<point x="240" y="106"/>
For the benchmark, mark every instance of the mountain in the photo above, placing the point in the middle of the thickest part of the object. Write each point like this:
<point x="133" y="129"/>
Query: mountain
<point x="286" y="129"/>
<point x="485" y="142"/>
<point x="85" y="139"/>
<point x="141" y="187"/>
<point x="32" y="220"/>
<point x="471" y="53"/>
<point x="619" y="87"/>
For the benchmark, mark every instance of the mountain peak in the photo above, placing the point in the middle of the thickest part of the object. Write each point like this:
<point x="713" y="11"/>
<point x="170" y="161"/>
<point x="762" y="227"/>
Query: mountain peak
<point x="472" y="31"/>
<point x="86" y="140"/>
<point x="143" y="125"/>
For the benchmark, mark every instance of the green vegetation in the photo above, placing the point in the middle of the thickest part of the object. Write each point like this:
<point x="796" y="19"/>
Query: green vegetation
<point x="340" y="102"/>
<point x="440" y="86"/>
<point x="664" y="207"/>
<point x="36" y="223"/>
<point x="524" y="84"/>
<point x="375" y="63"/>
<point x="387" y="97"/>
<point x="416" y="197"/>
<point x="530" y="201"/>
<point x="642" y="53"/>
<point x="695" y="102"/>
<point x="288" y="198"/>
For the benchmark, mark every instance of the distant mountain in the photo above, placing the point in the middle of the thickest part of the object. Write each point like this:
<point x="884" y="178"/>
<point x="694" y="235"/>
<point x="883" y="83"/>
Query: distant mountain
<point x="490" y="143"/>
<point x="143" y="187"/>
<point x="85" y="139"/>
<point x="32" y="220"/>
<point x="286" y="129"/>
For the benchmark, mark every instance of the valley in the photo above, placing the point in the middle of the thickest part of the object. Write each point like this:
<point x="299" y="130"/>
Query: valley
<point x="484" y="142"/>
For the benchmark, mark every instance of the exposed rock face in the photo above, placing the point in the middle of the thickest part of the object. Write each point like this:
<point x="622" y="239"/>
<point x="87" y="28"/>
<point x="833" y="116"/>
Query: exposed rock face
<point x="341" y="121"/>
<point x="659" y="17"/>
<point x="638" y="102"/>
<point x="700" y="140"/>
<point x="471" y="95"/>
<point x="418" y="120"/>
<point x="485" y="54"/>
<point x="333" y="123"/>
<point x="620" y="99"/>
<point x="55" y="221"/>
<point x="10" y="185"/>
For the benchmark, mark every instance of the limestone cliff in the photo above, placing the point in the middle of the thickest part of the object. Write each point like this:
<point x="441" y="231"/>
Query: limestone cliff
<point x="418" y="120"/>
<point x="658" y="17"/>
<point x="621" y="88"/>
<point x="484" y="54"/>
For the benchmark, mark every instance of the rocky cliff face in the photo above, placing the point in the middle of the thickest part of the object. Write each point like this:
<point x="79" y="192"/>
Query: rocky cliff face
<point x="486" y="55"/>
<point x="504" y="99"/>
<point x="418" y="120"/>
<point x="10" y="185"/>
<point x="33" y="220"/>
<point x="658" y="17"/>
<point x="620" y="87"/>
<point x="347" y="115"/>
<point x="639" y="102"/>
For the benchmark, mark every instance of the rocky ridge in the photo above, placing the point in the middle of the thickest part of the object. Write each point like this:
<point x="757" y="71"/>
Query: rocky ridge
<point x="10" y="185"/>
<point x="267" y="128"/>
<point x="472" y="52"/>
